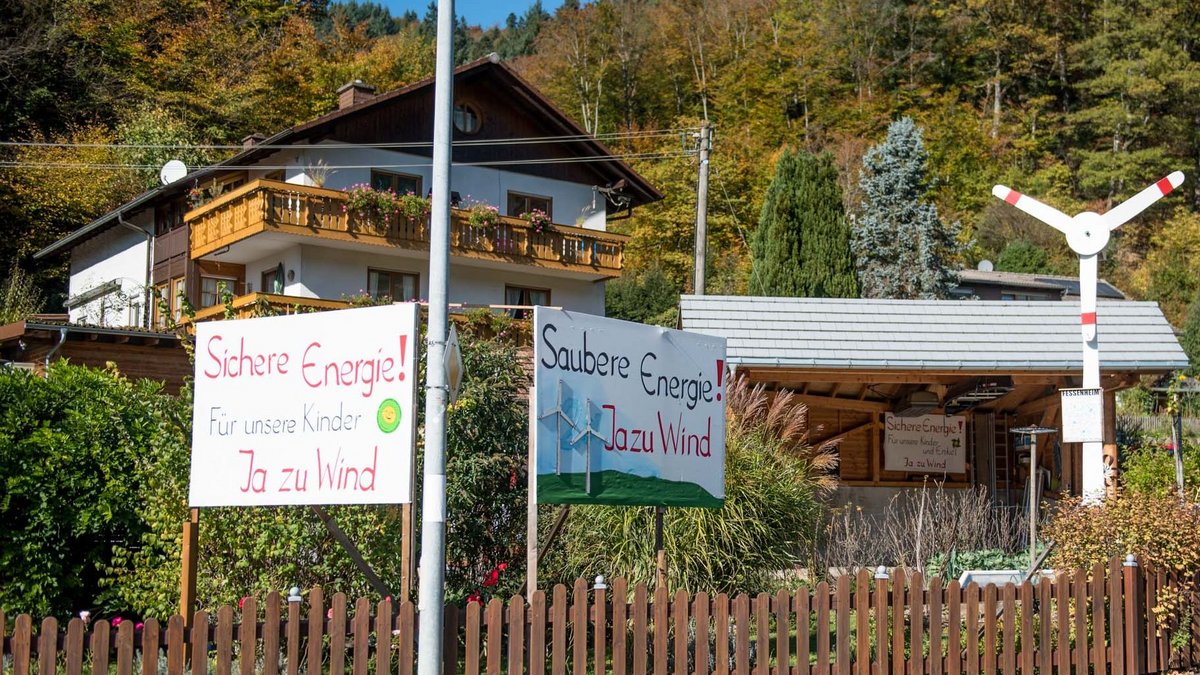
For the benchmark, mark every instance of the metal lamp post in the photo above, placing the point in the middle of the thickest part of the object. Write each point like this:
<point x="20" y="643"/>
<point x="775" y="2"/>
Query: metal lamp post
<point x="1033" y="432"/>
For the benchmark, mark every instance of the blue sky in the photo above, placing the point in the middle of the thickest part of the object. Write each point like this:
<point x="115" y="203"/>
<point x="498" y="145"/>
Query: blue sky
<point x="485" y="13"/>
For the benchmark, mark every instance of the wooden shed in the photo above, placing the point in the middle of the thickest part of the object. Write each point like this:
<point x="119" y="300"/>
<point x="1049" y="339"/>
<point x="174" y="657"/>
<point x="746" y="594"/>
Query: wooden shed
<point x="861" y="365"/>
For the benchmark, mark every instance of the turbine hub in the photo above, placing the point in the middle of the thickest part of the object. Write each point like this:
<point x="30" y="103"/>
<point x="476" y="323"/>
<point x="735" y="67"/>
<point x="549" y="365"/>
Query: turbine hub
<point x="1089" y="234"/>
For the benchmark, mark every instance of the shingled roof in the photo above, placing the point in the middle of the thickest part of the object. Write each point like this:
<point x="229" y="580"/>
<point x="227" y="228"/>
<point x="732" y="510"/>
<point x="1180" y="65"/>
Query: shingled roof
<point x="941" y="335"/>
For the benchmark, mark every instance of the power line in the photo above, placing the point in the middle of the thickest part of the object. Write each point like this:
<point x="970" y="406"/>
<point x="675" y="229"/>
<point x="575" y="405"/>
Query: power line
<point x="331" y="167"/>
<point x="528" y="140"/>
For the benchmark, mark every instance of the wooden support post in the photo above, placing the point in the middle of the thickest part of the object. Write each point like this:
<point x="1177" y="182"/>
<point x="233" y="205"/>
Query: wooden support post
<point x="407" y="538"/>
<point x="876" y="454"/>
<point x="1135" y="620"/>
<point x="531" y="508"/>
<point x="1110" y="444"/>
<point x="353" y="552"/>
<point x="190" y="560"/>
<point x="660" y="554"/>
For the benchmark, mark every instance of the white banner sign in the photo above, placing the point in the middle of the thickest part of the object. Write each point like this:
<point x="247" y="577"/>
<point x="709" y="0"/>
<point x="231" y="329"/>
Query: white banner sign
<point x="627" y="413"/>
<point x="306" y="409"/>
<point x="925" y="444"/>
<point x="1082" y="415"/>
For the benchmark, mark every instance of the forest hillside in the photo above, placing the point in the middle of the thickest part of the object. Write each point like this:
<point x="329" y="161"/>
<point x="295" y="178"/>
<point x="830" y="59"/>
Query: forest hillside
<point x="1080" y="102"/>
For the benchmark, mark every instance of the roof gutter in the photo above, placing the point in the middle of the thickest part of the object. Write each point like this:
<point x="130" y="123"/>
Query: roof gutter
<point x="148" y="285"/>
<point x="62" y="337"/>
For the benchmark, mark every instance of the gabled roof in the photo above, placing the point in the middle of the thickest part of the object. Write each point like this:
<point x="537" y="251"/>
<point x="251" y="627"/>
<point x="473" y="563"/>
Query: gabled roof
<point x="610" y="171"/>
<point x="1069" y="285"/>
<point x="933" y="335"/>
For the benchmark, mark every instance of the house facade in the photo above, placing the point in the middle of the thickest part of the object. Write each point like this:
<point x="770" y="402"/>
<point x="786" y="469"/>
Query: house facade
<point x="275" y="224"/>
<point x="988" y="284"/>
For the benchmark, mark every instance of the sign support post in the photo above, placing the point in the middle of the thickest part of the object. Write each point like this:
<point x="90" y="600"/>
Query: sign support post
<point x="660" y="553"/>
<point x="531" y="513"/>
<point x="190" y="560"/>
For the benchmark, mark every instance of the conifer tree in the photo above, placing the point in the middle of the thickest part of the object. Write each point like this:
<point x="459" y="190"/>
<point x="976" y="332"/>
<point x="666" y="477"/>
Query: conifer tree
<point x="1190" y="340"/>
<point x="901" y="248"/>
<point x="802" y="245"/>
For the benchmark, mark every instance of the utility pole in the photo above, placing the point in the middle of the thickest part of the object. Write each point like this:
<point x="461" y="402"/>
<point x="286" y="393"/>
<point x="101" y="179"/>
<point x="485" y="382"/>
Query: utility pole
<point x="702" y="210"/>
<point x="432" y="593"/>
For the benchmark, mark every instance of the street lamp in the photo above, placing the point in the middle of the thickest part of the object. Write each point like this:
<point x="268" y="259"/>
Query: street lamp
<point x="1033" y="432"/>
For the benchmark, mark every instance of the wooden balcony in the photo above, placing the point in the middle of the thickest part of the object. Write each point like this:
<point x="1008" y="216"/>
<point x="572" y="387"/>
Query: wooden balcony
<point x="265" y="207"/>
<point x="267" y="304"/>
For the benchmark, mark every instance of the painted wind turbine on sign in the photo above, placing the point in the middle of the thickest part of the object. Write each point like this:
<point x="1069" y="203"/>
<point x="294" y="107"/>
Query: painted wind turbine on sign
<point x="1087" y="234"/>
<point x="589" y="431"/>
<point x="559" y="416"/>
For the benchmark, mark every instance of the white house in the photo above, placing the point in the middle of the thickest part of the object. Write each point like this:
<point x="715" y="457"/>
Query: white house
<point x="272" y="222"/>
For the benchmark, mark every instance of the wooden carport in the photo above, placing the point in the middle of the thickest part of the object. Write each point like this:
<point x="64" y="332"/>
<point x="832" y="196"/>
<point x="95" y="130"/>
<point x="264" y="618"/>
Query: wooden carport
<point x="999" y="364"/>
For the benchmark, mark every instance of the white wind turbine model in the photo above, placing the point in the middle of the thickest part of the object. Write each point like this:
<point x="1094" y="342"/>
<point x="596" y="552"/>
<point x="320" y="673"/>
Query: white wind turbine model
<point x="559" y="416"/>
<point x="1087" y="234"/>
<point x="589" y="432"/>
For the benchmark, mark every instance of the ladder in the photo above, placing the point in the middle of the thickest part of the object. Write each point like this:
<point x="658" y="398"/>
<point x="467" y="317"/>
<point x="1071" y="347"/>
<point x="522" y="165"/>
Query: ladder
<point x="1002" y="462"/>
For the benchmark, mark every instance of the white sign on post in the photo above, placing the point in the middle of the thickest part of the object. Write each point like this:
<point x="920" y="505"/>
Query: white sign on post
<point x="627" y="414"/>
<point x="1082" y="415"/>
<point x="306" y="409"/>
<point x="925" y="443"/>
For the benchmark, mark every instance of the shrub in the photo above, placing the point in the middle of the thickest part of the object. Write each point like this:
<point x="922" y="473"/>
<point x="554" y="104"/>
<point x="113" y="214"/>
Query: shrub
<point x="773" y="485"/>
<point x="918" y="528"/>
<point x="1150" y="470"/>
<point x="1160" y="530"/>
<point x="76" y="453"/>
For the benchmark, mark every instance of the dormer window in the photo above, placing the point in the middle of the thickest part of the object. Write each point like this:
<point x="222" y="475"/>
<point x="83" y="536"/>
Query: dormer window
<point x="467" y="118"/>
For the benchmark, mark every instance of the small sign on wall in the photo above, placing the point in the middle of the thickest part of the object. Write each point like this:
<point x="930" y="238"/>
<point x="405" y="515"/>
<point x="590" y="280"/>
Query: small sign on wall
<point x="1082" y="415"/>
<point x="925" y="444"/>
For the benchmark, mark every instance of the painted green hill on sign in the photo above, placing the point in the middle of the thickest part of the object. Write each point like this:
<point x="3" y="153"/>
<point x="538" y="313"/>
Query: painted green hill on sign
<point x="622" y="489"/>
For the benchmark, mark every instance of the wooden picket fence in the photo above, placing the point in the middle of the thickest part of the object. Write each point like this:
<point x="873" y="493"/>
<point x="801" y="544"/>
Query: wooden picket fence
<point x="1099" y="619"/>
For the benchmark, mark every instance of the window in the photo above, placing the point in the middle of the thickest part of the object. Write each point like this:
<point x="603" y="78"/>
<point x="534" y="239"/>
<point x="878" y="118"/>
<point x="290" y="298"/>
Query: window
<point x="399" y="286"/>
<point x="467" y="118"/>
<point x="272" y="280"/>
<point x="519" y="203"/>
<point x="169" y="292"/>
<point x="520" y="295"/>
<point x="169" y="216"/>
<point x="210" y="290"/>
<point x="399" y="183"/>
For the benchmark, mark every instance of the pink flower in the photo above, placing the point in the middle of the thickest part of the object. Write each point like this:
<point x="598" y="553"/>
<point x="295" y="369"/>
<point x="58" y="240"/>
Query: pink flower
<point x="116" y="621"/>
<point x="329" y="614"/>
<point x="474" y="597"/>
<point x="502" y="566"/>
<point x="242" y="602"/>
<point x="139" y="626"/>
<point x="492" y="579"/>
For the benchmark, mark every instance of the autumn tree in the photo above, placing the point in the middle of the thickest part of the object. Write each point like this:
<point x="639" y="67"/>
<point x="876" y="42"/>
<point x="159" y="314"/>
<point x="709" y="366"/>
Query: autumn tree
<point x="901" y="247"/>
<point x="802" y="244"/>
<point x="1190" y="339"/>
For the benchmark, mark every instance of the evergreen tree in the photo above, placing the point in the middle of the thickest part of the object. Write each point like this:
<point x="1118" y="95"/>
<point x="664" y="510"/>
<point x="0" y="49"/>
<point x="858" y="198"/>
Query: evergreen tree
<point x="1023" y="255"/>
<point x="901" y="247"/>
<point x="1190" y="339"/>
<point x="802" y="245"/>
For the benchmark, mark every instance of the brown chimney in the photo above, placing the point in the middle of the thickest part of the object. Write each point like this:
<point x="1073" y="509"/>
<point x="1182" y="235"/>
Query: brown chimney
<point x="354" y="93"/>
<point x="252" y="140"/>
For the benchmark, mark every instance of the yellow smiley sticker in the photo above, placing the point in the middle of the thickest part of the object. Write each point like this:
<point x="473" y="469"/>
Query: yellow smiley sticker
<point x="388" y="416"/>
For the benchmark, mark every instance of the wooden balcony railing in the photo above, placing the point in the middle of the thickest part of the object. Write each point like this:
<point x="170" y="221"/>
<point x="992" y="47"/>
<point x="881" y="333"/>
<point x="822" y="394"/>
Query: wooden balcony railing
<point x="271" y="206"/>
<point x="267" y="304"/>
